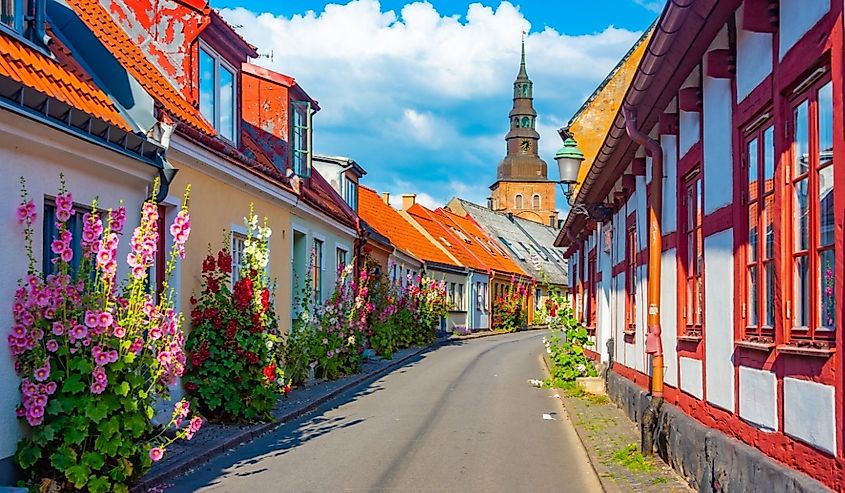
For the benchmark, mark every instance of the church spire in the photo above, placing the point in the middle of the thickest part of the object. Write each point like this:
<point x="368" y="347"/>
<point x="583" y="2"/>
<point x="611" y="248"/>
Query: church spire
<point x="523" y="73"/>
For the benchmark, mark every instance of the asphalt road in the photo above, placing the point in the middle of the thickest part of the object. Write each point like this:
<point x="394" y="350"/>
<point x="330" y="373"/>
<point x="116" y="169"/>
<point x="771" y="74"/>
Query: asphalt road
<point x="459" y="418"/>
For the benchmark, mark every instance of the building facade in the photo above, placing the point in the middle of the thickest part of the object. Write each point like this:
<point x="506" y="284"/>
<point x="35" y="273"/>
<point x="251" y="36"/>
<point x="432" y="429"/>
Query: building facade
<point x="730" y="266"/>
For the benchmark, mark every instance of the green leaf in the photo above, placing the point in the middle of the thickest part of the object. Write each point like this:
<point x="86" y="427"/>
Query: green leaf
<point x="75" y="435"/>
<point x="110" y="427"/>
<point x="97" y="412"/>
<point x="135" y="424"/>
<point x="42" y="435"/>
<point x="122" y="389"/>
<point x="82" y="366"/>
<point x="93" y="460"/>
<point x="106" y="445"/>
<point x="78" y="475"/>
<point x="63" y="459"/>
<point x="73" y="385"/>
<point x="55" y="407"/>
<point x="28" y="454"/>
<point x="99" y="484"/>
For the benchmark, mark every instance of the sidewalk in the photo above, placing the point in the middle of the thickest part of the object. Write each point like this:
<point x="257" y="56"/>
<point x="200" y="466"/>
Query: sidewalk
<point x="612" y="443"/>
<point x="216" y="439"/>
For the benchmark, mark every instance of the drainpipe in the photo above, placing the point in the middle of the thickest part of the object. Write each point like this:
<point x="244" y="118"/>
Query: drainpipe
<point x="359" y="243"/>
<point x="653" y="343"/>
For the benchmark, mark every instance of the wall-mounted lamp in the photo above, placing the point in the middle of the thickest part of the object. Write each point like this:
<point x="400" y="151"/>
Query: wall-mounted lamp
<point x="569" y="161"/>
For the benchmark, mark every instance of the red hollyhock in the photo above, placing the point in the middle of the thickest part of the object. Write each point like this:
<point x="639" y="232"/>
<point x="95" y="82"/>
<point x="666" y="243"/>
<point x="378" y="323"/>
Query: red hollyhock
<point x="191" y="387"/>
<point x="243" y="293"/>
<point x="231" y="329"/>
<point x="286" y="389"/>
<point x="224" y="261"/>
<point x="208" y="264"/>
<point x="265" y="299"/>
<point x="270" y="372"/>
<point x="251" y="358"/>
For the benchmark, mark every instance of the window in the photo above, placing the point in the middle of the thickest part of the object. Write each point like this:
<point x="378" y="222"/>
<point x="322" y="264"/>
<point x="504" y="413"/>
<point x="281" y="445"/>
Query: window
<point x="512" y="249"/>
<point x="592" y="291"/>
<point x="759" y="197"/>
<point x="452" y="295"/>
<point x="300" y="145"/>
<point x="13" y="13"/>
<point x="238" y="247"/>
<point x="631" y="275"/>
<point x="350" y="193"/>
<point x="517" y="201"/>
<point x="341" y="261"/>
<point x="692" y="253"/>
<point x="536" y="202"/>
<point x="217" y="93"/>
<point x="538" y="294"/>
<point x="811" y="181"/>
<point x="459" y="297"/>
<point x="51" y="232"/>
<point x="317" y="271"/>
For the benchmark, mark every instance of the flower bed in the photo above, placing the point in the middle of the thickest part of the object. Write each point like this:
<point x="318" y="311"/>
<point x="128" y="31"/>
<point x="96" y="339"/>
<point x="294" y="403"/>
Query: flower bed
<point x="94" y="354"/>
<point x="509" y="311"/>
<point x="235" y="372"/>
<point x="565" y="346"/>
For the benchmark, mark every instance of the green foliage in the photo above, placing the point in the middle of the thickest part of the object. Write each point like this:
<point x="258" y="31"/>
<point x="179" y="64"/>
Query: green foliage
<point x="510" y="312"/>
<point x="631" y="458"/>
<point x="235" y="346"/>
<point x="565" y="347"/>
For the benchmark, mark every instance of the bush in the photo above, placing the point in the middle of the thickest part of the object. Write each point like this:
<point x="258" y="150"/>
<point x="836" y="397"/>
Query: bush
<point x="565" y="347"/>
<point x="94" y="354"/>
<point x="509" y="311"/>
<point x="235" y="373"/>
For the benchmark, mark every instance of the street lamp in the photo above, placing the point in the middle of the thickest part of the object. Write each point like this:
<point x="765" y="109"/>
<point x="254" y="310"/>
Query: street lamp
<point x="569" y="160"/>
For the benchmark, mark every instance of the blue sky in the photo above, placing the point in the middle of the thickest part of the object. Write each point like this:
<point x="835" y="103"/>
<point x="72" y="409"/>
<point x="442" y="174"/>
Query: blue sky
<point x="418" y="93"/>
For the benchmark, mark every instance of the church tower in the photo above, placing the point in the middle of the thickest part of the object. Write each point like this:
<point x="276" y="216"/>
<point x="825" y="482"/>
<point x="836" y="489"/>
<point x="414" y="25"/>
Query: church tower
<point x="522" y="186"/>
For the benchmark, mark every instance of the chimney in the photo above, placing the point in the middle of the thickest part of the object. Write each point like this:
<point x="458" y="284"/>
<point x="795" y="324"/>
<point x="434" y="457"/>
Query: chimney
<point x="552" y="221"/>
<point x="559" y="223"/>
<point x="510" y="216"/>
<point x="385" y="197"/>
<point x="408" y="200"/>
<point x="490" y="203"/>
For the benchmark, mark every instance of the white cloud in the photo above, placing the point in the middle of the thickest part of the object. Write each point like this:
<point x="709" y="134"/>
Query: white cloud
<point x="651" y="6"/>
<point x="422" y="97"/>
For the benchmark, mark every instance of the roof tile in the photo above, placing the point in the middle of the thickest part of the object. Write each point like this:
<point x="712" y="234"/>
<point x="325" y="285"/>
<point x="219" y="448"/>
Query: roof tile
<point x="35" y="70"/>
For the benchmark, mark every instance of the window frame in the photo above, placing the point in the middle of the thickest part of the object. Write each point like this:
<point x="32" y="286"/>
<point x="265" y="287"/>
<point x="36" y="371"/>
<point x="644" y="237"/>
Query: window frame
<point x="74" y="225"/>
<point x="766" y="267"/>
<point x="237" y="239"/>
<point x="317" y="268"/>
<point x="536" y="202"/>
<point x="813" y="331"/>
<point x="691" y="252"/>
<point x="631" y="251"/>
<point x="341" y="258"/>
<point x="518" y="201"/>
<point x="216" y="119"/>
<point x="302" y="109"/>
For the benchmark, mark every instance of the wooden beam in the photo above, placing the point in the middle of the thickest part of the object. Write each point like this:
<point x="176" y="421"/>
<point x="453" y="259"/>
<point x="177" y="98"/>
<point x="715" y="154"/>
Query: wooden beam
<point x="721" y="64"/>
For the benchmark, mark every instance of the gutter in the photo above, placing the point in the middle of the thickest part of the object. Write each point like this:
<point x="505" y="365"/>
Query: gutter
<point x="653" y="342"/>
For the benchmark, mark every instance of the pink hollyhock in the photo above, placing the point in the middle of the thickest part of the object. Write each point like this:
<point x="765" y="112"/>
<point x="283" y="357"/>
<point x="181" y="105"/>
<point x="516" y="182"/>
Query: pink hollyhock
<point x="52" y="345"/>
<point x="119" y="332"/>
<point x="26" y="212"/>
<point x="156" y="453"/>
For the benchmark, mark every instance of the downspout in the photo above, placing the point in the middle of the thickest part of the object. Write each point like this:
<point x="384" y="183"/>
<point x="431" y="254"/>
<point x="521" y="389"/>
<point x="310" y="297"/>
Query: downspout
<point x="653" y="342"/>
<point x="360" y="241"/>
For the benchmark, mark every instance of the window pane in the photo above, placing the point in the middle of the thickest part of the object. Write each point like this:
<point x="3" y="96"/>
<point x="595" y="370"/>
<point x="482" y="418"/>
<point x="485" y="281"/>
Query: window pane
<point x="769" y="158"/>
<point x="801" y="293"/>
<point x="7" y="12"/>
<point x="826" y="293"/>
<point x="752" y="170"/>
<point x="801" y="216"/>
<point x="769" y="225"/>
<point x="753" y="236"/>
<point x="826" y="123"/>
<point x="206" y="76"/>
<point x="752" y="295"/>
<point x="227" y="104"/>
<point x="769" y="300"/>
<point x="826" y="206"/>
<point x="802" y="152"/>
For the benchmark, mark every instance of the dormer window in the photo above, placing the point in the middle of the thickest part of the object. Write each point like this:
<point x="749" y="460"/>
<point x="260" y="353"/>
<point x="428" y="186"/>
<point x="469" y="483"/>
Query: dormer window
<point x="300" y="141"/>
<point x="18" y="15"/>
<point x="218" y="87"/>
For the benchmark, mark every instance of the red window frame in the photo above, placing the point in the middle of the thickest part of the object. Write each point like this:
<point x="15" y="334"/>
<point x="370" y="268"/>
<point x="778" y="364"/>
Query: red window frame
<point x="691" y="253"/>
<point x="631" y="274"/>
<point x="811" y="313"/>
<point x="760" y="279"/>
<point x="592" y="278"/>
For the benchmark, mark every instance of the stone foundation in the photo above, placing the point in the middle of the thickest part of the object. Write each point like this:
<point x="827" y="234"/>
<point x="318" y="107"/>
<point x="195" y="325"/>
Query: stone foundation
<point x="709" y="460"/>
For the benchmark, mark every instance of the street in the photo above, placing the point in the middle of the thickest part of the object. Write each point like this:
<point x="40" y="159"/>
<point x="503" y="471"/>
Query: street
<point x="458" y="418"/>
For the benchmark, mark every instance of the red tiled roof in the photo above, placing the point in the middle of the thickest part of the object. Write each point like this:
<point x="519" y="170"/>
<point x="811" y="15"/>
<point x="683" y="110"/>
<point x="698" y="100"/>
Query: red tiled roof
<point x="130" y="56"/>
<point x="440" y="232"/>
<point x="317" y="191"/>
<point x="36" y="71"/>
<point x="475" y="242"/>
<point x="401" y="233"/>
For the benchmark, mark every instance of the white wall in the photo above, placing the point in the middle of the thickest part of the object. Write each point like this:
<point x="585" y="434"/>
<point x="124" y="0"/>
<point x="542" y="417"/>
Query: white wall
<point x="605" y="266"/>
<point x="691" y="372"/>
<point x="718" y="318"/>
<point x="670" y="183"/>
<point x="809" y="413"/>
<point x="689" y="130"/>
<point x="758" y="398"/>
<point x="718" y="158"/>
<point x="796" y="18"/>
<point x="668" y="315"/>
<point x="753" y="59"/>
<point x="39" y="154"/>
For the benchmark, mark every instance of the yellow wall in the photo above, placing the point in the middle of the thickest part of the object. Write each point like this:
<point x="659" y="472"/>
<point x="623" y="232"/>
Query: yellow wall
<point x="216" y="206"/>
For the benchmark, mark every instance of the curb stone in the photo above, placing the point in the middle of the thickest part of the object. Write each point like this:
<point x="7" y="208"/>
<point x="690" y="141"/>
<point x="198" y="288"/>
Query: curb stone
<point x="176" y="469"/>
<point x="490" y="333"/>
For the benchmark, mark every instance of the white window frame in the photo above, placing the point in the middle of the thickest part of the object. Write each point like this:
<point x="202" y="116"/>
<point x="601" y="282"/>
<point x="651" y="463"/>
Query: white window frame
<point x="295" y="108"/>
<point x="338" y="249"/>
<point x="238" y="238"/>
<point x="219" y="63"/>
